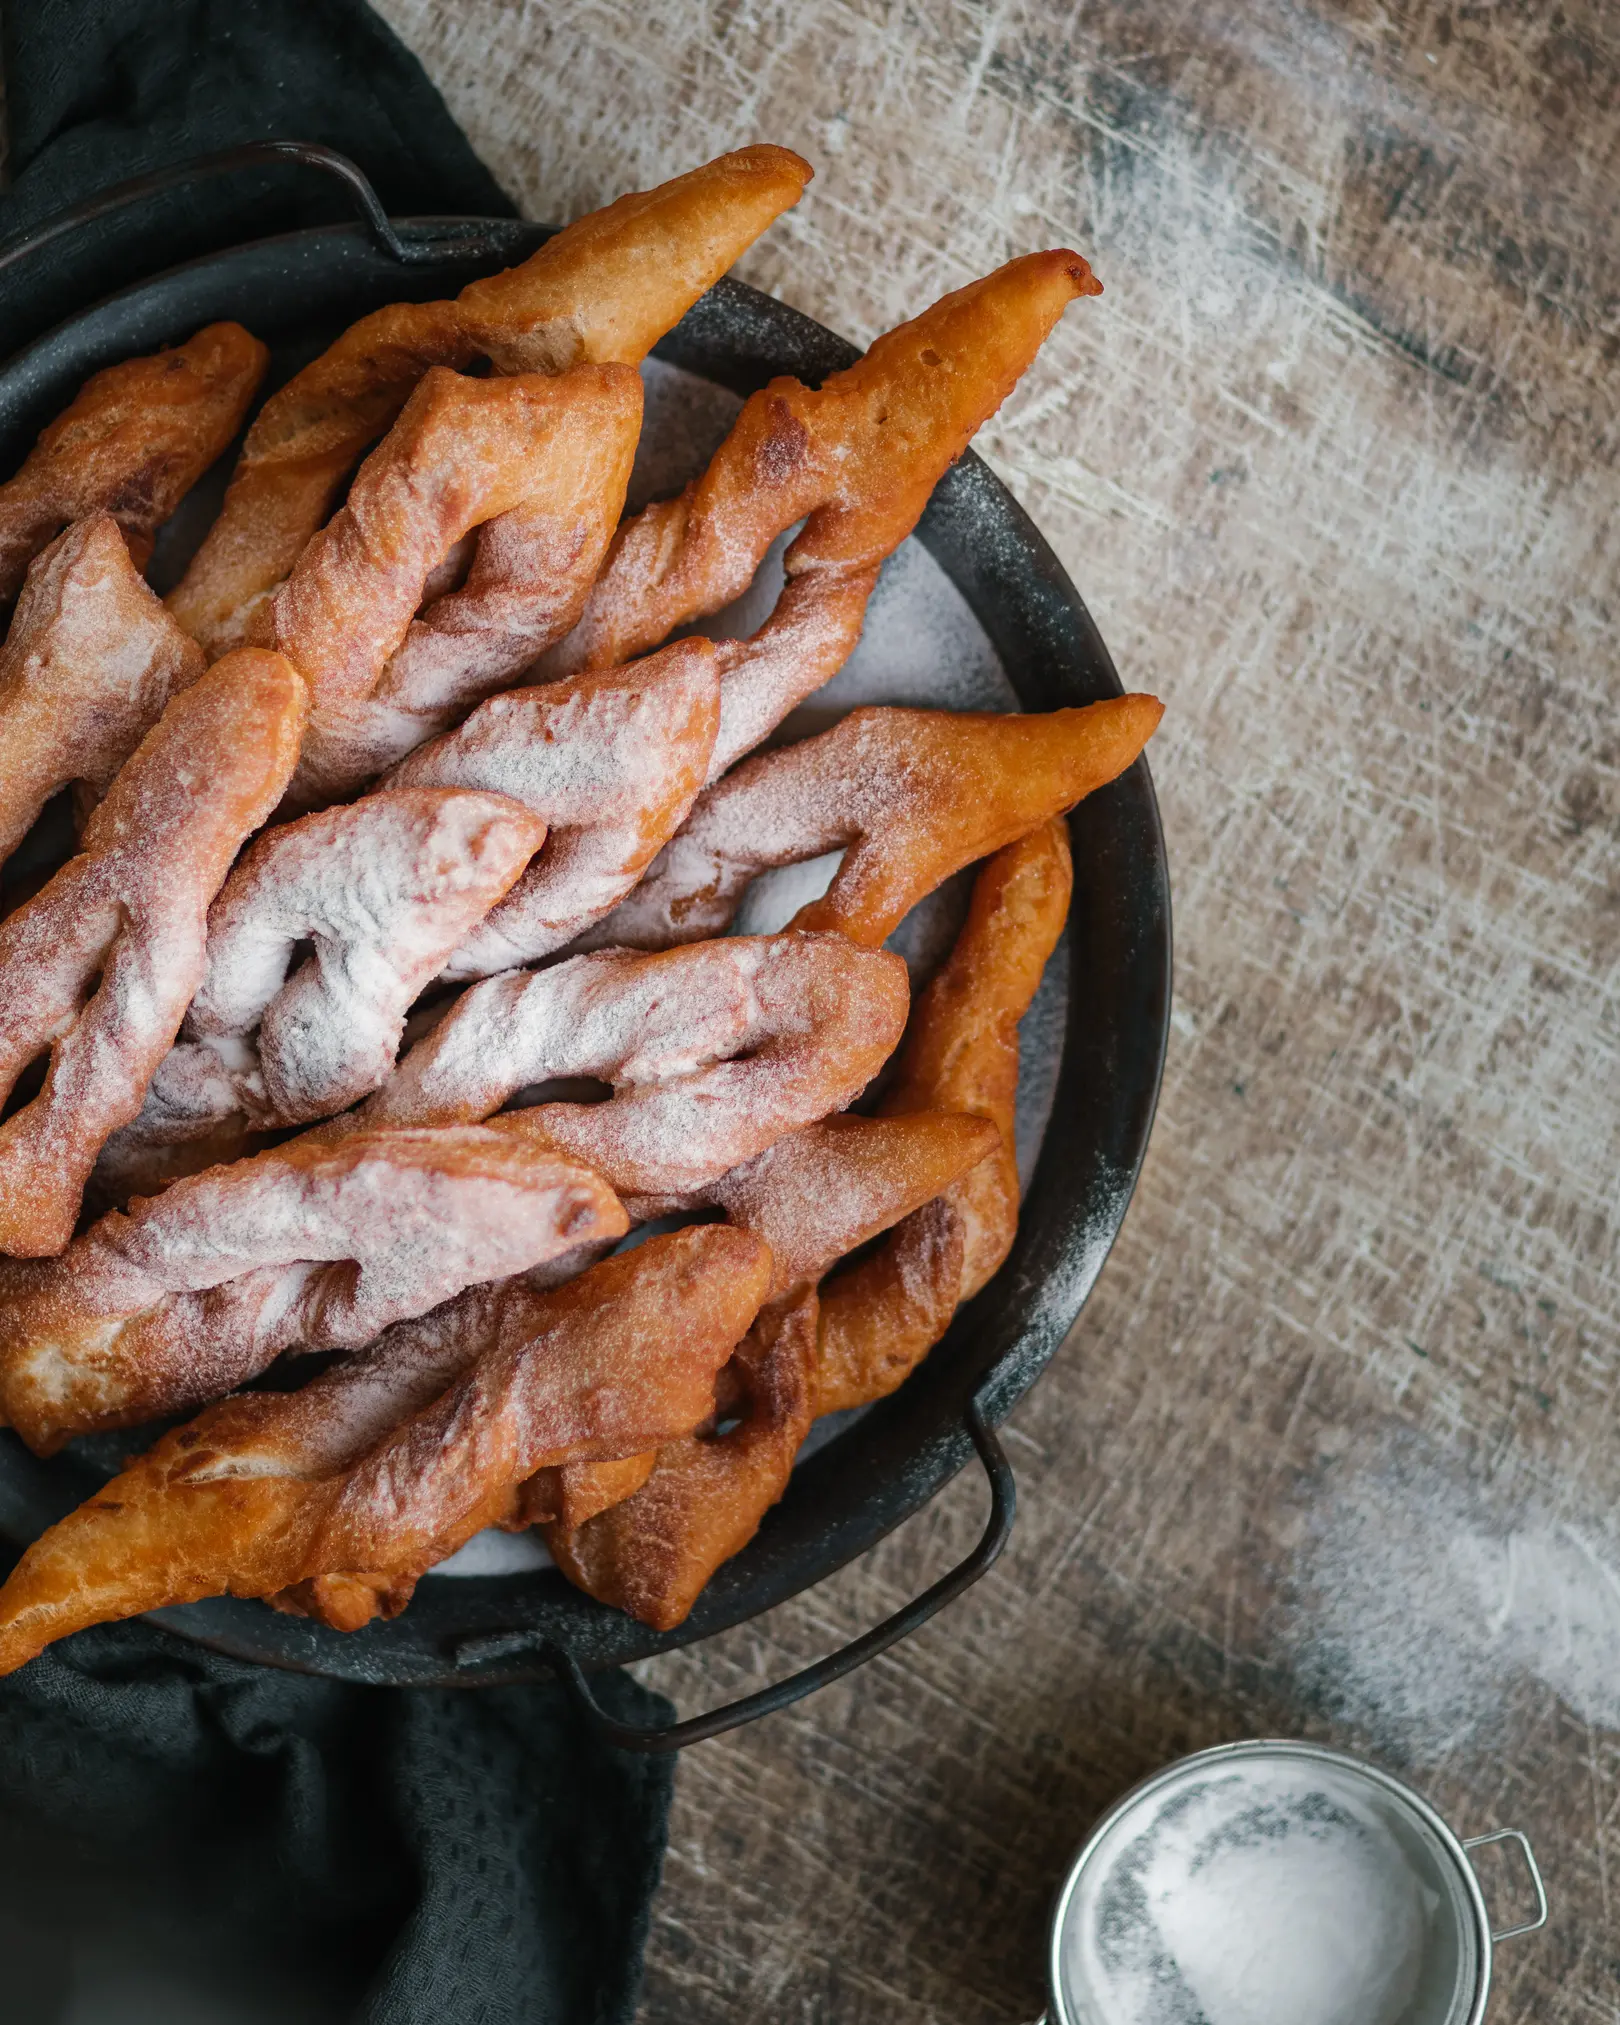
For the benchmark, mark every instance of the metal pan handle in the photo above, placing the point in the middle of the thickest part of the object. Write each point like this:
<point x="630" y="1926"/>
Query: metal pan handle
<point x="696" y="1729"/>
<point x="1473" y="1842"/>
<point x="251" y="155"/>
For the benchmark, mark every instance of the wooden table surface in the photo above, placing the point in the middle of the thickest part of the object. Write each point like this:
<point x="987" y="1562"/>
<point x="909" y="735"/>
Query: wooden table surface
<point x="1332" y="1451"/>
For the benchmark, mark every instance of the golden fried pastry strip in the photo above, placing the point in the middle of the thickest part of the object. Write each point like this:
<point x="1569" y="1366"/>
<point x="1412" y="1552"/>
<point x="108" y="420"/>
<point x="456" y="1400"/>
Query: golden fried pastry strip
<point x="911" y="796"/>
<point x="961" y="1053"/>
<point x="100" y="965"/>
<point x="813" y="1198"/>
<point x="89" y="663"/>
<point x="611" y="761"/>
<point x="602" y="291"/>
<point x="463" y="452"/>
<point x="312" y="1244"/>
<point x="652" y="1553"/>
<point x="713" y="1054"/>
<point x="859" y="456"/>
<point x="568" y="452"/>
<point x="338" y="1497"/>
<point x="134" y="441"/>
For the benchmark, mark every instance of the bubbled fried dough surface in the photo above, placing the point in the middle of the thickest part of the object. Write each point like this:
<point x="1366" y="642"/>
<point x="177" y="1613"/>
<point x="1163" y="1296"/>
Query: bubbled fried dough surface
<point x="910" y="796"/>
<point x="856" y="460"/>
<point x="603" y="290"/>
<point x="352" y="1487"/>
<point x="879" y="1319"/>
<point x="133" y="442"/>
<point x="310" y="1244"/>
<point x="530" y="568"/>
<point x="101" y="964"/>
<point x="89" y="662"/>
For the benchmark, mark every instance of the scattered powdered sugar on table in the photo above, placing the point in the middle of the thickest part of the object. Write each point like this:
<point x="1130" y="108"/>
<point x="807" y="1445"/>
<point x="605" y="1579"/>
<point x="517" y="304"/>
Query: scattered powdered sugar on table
<point x="1419" y="1598"/>
<point x="1263" y="1895"/>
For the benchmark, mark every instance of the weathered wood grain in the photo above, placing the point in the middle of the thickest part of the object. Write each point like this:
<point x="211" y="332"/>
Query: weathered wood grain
<point x="1333" y="1451"/>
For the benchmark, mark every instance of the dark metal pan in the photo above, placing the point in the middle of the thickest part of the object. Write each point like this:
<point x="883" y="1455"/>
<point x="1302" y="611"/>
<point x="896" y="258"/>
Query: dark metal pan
<point x="296" y="292"/>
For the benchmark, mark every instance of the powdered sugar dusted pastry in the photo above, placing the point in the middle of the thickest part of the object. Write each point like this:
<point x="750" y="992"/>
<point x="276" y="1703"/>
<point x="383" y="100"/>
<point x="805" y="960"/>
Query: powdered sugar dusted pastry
<point x="310" y="1244"/>
<point x="961" y="1054"/>
<point x="713" y="1054"/>
<point x="611" y="761"/>
<point x="602" y="291"/>
<point x="462" y="452"/>
<point x="859" y="456"/>
<point x="100" y="965"/>
<point x="340" y="1495"/>
<point x="382" y="890"/>
<point x="89" y="662"/>
<point x="135" y="440"/>
<point x="910" y="796"/>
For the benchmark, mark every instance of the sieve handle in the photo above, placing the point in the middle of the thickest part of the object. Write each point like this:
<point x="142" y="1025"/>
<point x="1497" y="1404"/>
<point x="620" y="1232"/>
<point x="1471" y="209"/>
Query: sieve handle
<point x="1517" y="1835"/>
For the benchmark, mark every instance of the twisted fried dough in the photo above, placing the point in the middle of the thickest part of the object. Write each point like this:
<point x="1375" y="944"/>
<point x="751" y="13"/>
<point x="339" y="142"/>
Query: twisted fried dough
<point x="384" y="891"/>
<point x="713" y="1054"/>
<point x="859" y="455"/>
<point x="879" y="1319"/>
<point x="602" y="291"/>
<point x="100" y="965"/>
<point x="89" y="663"/>
<point x="652" y="1553"/>
<point x="462" y="452"/>
<point x="612" y="762"/>
<point x="813" y="1197"/>
<point x="133" y="442"/>
<point x="310" y="1244"/>
<point x="910" y="795"/>
<point x="340" y="1495"/>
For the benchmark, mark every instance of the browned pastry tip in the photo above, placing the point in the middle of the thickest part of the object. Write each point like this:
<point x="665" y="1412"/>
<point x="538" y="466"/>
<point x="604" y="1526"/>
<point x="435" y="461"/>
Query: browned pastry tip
<point x="99" y="967"/>
<point x="881" y="1317"/>
<point x="601" y="291"/>
<point x="89" y="663"/>
<point x="133" y="442"/>
<point x="910" y="796"/>
<point x="855" y="459"/>
<point x="343" y="1493"/>
<point x="313" y="1244"/>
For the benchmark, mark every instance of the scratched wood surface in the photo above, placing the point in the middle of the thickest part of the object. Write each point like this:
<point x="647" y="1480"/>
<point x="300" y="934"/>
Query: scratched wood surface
<point x="1332" y="1451"/>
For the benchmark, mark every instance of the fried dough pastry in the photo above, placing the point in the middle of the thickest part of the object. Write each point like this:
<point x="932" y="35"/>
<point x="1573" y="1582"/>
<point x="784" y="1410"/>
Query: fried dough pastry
<point x="602" y="291"/>
<point x="310" y="1245"/>
<point x="100" y="965"/>
<point x="911" y="796"/>
<point x="882" y="1316"/>
<point x="462" y="452"/>
<point x="652" y="1553"/>
<point x="859" y="456"/>
<point x="339" y="1496"/>
<point x="713" y="1053"/>
<point x="133" y="442"/>
<point x="383" y="891"/>
<point x="90" y="660"/>
<point x="612" y="762"/>
<point x="813" y="1197"/>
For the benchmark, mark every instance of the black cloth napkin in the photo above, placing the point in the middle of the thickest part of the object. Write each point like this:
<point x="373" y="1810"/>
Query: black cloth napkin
<point x="182" y="1835"/>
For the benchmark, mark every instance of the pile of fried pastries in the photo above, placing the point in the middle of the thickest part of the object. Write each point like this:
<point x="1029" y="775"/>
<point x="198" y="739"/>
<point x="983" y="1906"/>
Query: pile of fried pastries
<point x="389" y="987"/>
